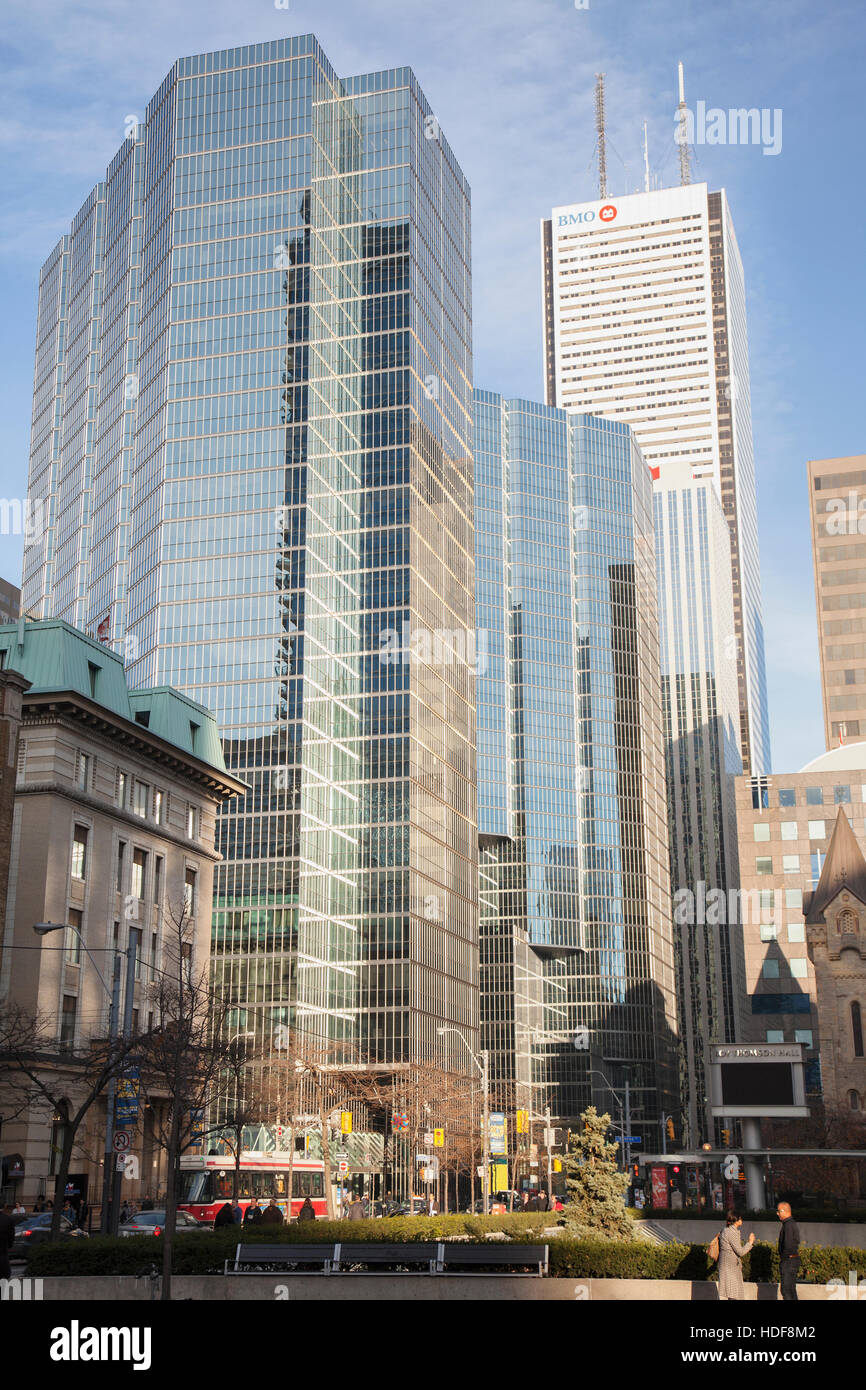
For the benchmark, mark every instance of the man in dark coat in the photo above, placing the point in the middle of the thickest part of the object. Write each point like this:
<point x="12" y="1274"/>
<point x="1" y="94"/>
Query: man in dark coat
<point x="543" y="1202"/>
<point x="223" y="1217"/>
<point x="355" y="1210"/>
<point x="272" y="1216"/>
<point x="253" y="1213"/>
<point x="7" y="1235"/>
<point x="307" y="1212"/>
<point x="789" y="1253"/>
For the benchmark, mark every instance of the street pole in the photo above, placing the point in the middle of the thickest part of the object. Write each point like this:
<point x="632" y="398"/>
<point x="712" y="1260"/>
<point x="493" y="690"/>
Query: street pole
<point x="111" y="1092"/>
<point x="627" y="1135"/>
<point x="485" y="1082"/>
<point x="547" y="1138"/>
<point x="664" y="1134"/>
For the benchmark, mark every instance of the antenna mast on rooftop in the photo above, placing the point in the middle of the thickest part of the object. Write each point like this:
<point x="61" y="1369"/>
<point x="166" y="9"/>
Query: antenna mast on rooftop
<point x="646" y="172"/>
<point x="682" y="133"/>
<point x="599" y="127"/>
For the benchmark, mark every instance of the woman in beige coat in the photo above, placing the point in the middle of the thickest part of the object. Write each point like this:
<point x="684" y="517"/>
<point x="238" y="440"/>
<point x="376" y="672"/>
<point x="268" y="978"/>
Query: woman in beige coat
<point x="731" y="1253"/>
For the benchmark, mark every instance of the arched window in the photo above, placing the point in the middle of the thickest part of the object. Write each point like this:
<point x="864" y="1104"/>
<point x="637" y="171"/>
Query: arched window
<point x="857" y="1028"/>
<point x="854" y="1100"/>
<point x="847" y="921"/>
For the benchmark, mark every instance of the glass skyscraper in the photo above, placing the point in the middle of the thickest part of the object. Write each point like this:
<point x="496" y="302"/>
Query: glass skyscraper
<point x="577" y="957"/>
<point x="252" y="433"/>
<point x="702" y="742"/>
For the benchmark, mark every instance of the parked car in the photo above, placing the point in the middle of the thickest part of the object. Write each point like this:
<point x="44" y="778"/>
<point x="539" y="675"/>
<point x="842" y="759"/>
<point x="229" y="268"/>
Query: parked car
<point x="35" y="1229"/>
<point x="152" y="1223"/>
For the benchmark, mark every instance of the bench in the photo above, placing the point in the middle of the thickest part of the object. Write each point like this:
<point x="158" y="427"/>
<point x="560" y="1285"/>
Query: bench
<point x="250" y="1258"/>
<point x="437" y="1257"/>
<point x="417" y="1252"/>
<point x="516" y="1256"/>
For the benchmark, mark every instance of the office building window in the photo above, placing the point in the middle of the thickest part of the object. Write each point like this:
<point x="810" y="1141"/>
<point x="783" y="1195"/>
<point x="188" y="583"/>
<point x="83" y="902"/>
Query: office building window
<point x="158" y="805"/>
<point x="787" y="796"/>
<point x="135" y="941"/>
<point x="760" y="794"/>
<point x="814" y="796"/>
<point x="769" y="931"/>
<point x="192" y="822"/>
<point x="139" y="872"/>
<point x="771" y="969"/>
<point x="803" y="1035"/>
<point x="79" y="852"/>
<point x="796" y="931"/>
<point x="121" y="851"/>
<point x="122" y="789"/>
<point x="794" y="899"/>
<point x="189" y="891"/>
<point x="789" y="830"/>
<point x="841" y="796"/>
<point x="857" y="1028"/>
<point x="767" y="902"/>
<point x="67" y="1020"/>
<point x="73" y="938"/>
<point x="775" y="1035"/>
<point x="762" y="830"/>
<point x="82" y="771"/>
<point x="157" y="880"/>
<point x="790" y="863"/>
<point x="817" y="830"/>
<point x="799" y="967"/>
<point x="142" y="796"/>
<point x="763" y="866"/>
<point x="816" y="859"/>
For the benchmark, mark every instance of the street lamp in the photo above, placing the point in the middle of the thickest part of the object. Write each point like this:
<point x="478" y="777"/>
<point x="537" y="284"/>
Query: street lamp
<point x="484" y="1068"/>
<point x="43" y="929"/>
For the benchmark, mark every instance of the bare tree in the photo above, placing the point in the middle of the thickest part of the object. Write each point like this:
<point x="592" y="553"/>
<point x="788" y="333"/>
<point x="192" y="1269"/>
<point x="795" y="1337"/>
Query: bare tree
<point x="186" y="1064"/>
<point x="39" y="1076"/>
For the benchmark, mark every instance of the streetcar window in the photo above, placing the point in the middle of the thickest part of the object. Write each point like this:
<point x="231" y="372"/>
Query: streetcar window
<point x="193" y="1187"/>
<point x="318" y="1185"/>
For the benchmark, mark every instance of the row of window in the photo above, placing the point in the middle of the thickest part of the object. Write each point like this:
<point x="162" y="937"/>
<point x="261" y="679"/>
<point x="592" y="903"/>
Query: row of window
<point x="138" y="871"/>
<point x="791" y="830"/>
<point x="787" y="796"/>
<point x="142" y="798"/>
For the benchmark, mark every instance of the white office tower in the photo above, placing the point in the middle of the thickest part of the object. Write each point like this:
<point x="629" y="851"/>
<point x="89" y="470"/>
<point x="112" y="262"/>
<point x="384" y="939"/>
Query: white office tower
<point x="645" y="321"/>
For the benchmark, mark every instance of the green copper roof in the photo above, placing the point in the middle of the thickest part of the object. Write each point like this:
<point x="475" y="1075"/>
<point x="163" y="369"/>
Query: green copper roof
<point x="56" y="657"/>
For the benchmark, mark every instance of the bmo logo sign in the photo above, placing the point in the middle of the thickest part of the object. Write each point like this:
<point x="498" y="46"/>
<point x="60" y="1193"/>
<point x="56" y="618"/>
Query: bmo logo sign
<point x="574" y="219"/>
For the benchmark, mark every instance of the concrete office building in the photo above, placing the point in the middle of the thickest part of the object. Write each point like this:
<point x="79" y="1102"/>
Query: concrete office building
<point x="577" y="957"/>
<point x="115" y="809"/>
<point x="645" y="321"/>
<point x="252" y="426"/>
<point x="837" y="507"/>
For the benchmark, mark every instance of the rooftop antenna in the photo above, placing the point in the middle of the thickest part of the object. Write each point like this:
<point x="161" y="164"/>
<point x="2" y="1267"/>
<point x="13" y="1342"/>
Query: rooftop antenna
<point x="599" y="127"/>
<point x="646" y="172"/>
<point x="682" y="133"/>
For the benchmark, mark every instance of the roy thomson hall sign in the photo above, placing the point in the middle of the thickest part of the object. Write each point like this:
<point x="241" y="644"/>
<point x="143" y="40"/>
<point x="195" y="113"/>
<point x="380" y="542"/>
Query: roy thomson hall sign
<point x="761" y="1079"/>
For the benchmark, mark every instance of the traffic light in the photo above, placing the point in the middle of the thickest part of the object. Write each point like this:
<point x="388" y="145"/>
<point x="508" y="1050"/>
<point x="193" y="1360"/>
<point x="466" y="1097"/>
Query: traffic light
<point x="345" y="1122"/>
<point x="676" y="1167"/>
<point x="670" y="1126"/>
<point x="726" y="1137"/>
<point x="635" y="1170"/>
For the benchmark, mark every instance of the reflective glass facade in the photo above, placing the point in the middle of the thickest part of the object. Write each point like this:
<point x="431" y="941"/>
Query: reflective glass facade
<point x="252" y="424"/>
<point x="575" y="888"/>
<point x="702" y="729"/>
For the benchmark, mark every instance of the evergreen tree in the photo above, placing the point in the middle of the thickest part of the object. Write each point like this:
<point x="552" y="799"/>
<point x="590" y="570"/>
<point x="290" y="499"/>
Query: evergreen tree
<point x="596" y="1187"/>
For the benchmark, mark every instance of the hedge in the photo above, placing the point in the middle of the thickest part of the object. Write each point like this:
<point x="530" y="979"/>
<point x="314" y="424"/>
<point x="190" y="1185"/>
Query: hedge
<point x="569" y="1258"/>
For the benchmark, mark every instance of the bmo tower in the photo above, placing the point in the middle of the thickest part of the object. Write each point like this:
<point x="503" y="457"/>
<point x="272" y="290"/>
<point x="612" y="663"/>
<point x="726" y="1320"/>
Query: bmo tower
<point x="645" y="321"/>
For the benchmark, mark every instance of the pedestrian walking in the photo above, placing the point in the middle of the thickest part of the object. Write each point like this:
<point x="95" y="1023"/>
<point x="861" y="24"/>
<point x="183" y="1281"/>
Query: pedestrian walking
<point x="731" y="1252"/>
<point x="272" y="1216"/>
<point x="7" y="1235"/>
<point x="789" y="1253"/>
<point x="355" y="1210"/>
<point x="223" y="1217"/>
<point x="307" y="1213"/>
<point x="124" y="1212"/>
<point x="543" y="1202"/>
<point x="253" y="1213"/>
<point x="19" y="1209"/>
<point x="237" y="1213"/>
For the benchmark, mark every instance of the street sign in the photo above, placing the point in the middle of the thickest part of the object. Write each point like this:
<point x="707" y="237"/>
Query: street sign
<point x="121" y="1141"/>
<point x="343" y="1166"/>
<point x="439" y="1138"/>
<point x="632" y="1139"/>
<point x="428" y="1136"/>
<point x="497" y="1133"/>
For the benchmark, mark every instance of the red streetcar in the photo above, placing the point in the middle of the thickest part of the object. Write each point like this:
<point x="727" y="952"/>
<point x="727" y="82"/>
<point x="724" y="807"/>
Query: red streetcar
<point x="206" y="1182"/>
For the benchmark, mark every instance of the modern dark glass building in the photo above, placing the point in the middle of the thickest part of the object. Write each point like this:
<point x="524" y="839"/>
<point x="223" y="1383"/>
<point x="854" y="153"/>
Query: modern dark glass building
<point x="577" y="956"/>
<point x="252" y="432"/>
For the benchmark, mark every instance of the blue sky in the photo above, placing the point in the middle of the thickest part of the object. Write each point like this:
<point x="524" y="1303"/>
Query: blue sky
<point x="512" y="84"/>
